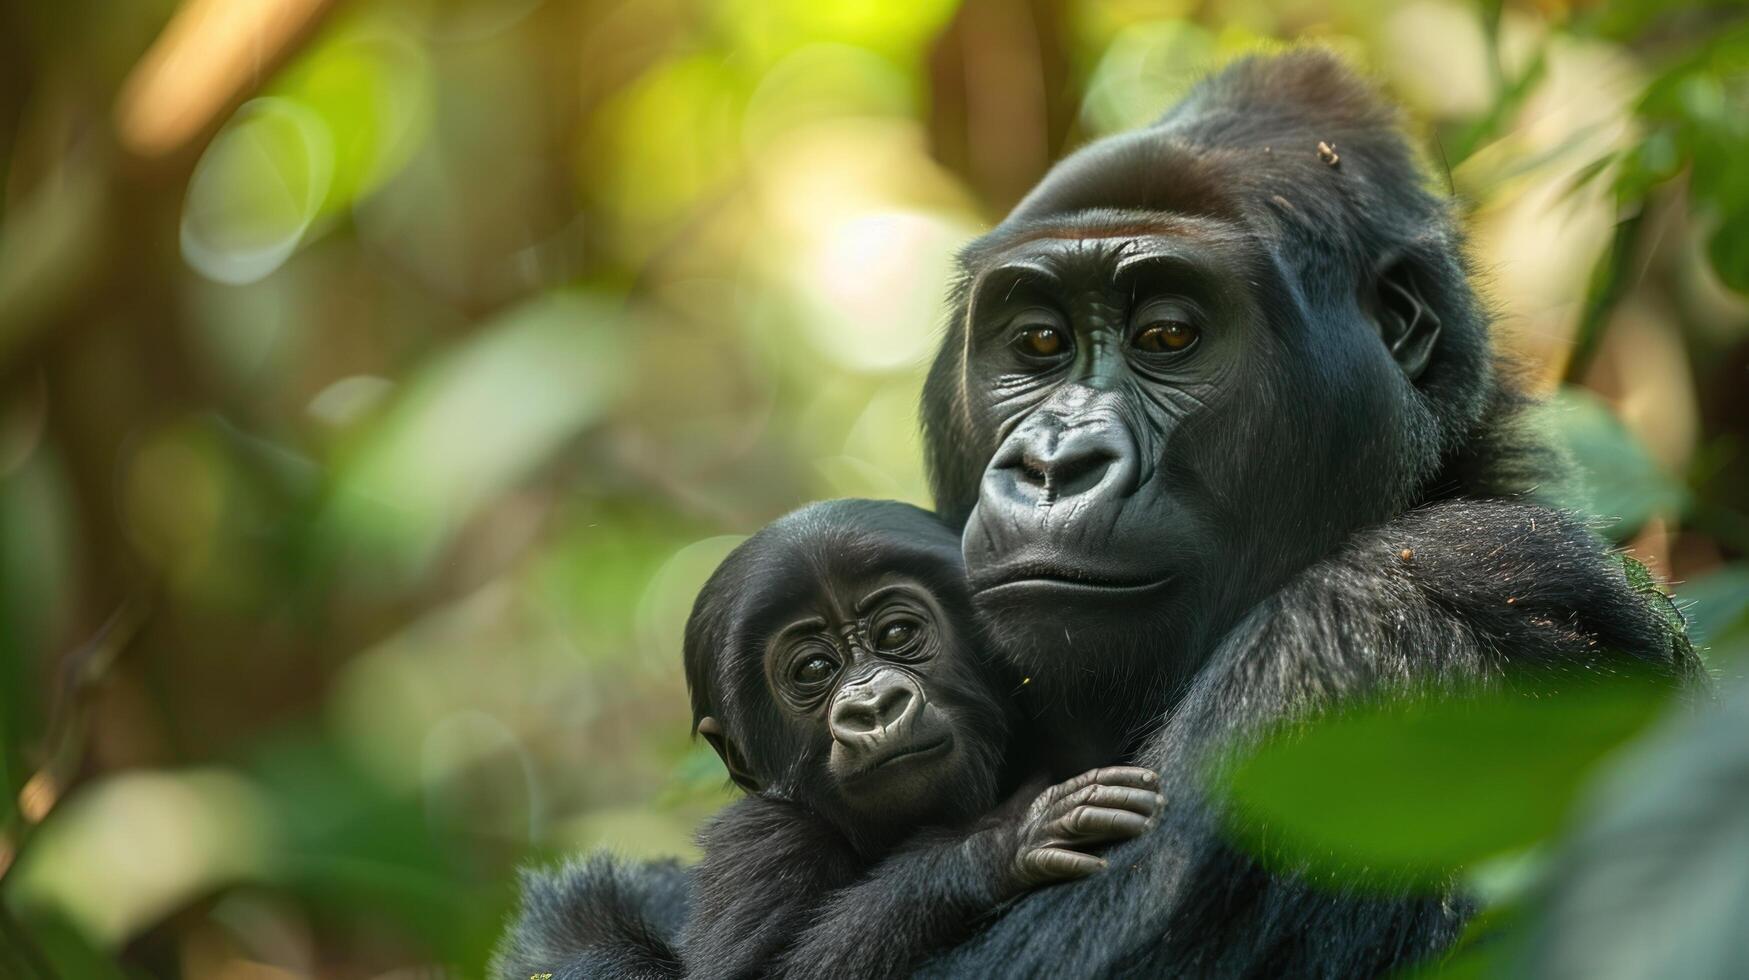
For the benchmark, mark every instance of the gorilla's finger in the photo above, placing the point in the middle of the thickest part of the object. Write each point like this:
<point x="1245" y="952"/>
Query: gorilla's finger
<point x="1098" y="825"/>
<point x="1060" y="864"/>
<point x="1135" y="776"/>
<point x="1140" y="801"/>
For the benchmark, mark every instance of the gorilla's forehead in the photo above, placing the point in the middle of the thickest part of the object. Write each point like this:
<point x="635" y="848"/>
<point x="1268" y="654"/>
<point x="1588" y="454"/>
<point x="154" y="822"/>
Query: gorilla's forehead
<point x="832" y="595"/>
<point x="1104" y="244"/>
<point x="1109" y="260"/>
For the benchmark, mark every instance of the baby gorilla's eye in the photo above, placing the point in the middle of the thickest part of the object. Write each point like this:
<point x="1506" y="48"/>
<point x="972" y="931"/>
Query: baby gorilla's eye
<point x="814" y="670"/>
<point x="1165" y="337"/>
<point x="897" y="635"/>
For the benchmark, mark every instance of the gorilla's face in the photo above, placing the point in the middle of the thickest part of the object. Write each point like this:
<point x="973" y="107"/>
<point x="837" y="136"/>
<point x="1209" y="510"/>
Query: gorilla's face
<point x="833" y="663"/>
<point x="1157" y="447"/>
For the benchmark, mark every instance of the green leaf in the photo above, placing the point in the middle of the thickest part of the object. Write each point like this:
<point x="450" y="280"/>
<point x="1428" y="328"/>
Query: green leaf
<point x="51" y="947"/>
<point x="1717" y="604"/>
<point x="1411" y="793"/>
<point x="1482" y="952"/>
<point x="471" y="425"/>
<point x="1656" y="882"/>
<point x="353" y="847"/>
<point x="1728" y="250"/>
<point x="1619" y="482"/>
<point x="256" y="190"/>
<point x="1505" y="108"/>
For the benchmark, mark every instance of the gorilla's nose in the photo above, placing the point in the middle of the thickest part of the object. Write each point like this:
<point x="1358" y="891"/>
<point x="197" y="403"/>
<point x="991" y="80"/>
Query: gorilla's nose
<point x="864" y="713"/>
<point x="1046" y="460"/>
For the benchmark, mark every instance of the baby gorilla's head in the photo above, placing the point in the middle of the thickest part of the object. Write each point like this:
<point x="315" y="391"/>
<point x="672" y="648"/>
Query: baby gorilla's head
<point x="832" y="661"/>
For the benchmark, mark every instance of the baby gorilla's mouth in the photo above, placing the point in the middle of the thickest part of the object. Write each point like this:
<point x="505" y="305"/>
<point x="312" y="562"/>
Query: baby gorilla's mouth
<point x="902" y="758"/>
<point x="912" y="752"/>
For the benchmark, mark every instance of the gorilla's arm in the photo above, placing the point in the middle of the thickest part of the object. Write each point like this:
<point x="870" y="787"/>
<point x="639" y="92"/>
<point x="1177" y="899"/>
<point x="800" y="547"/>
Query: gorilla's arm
<point x="932" y="892"/>
<point x="596" y="917"/>
<point x="768" y="866"/>
<point x="920" y="899"/>
<point x="1453" y="590"/>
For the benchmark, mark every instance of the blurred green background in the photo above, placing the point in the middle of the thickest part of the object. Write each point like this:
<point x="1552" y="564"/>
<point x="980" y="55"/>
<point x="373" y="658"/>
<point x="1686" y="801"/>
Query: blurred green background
<point x="379" y="380"/>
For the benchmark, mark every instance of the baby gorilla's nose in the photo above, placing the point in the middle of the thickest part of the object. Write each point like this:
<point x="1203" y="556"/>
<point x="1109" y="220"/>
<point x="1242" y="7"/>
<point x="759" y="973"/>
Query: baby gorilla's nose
<point x="866" y="712"/>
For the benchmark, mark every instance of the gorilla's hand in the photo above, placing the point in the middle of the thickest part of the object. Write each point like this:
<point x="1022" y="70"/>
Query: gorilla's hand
<point x="1054" y="837"/>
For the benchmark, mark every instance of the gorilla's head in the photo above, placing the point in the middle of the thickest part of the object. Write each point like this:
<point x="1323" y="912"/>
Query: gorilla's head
<point x="1191" y="360"/>
<point x="833" y="661"/>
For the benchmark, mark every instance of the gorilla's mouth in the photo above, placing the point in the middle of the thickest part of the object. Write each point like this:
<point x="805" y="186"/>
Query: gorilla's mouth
<point x="908" y="753"/>
<point x="1062" y="579"/>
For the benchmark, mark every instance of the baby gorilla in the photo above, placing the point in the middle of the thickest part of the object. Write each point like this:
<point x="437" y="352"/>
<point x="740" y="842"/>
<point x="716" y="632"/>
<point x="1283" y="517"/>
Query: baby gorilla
<point x="835" y="667"/>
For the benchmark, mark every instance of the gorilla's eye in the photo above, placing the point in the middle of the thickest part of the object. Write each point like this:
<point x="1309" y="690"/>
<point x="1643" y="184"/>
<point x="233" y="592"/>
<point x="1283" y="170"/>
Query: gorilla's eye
<point x="897" y="635"/>
<point x="813" y="670"/>
<point x="1040" y="338"/>
<point x="1165" y="337"/>
<point x="1042" y="341"/>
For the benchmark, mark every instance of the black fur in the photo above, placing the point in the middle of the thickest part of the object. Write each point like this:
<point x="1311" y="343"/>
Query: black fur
<point x="1183" y="902"/>
<point x="1377" y="529"/>
<point x="797" y="877"/>
<point x="1335" y="518"/>
<point x="597" y="917"/>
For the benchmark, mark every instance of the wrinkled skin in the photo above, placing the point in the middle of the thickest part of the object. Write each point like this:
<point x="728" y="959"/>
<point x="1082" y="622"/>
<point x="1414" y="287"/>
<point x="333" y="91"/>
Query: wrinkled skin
<point x="1053" y="840"/>
<point x="1200" y="392"/>
<point x="1120" y="505"/>
<point x="835" y="668"/>
<point x="1199" y="396"/>
<point x="831" y="663"/>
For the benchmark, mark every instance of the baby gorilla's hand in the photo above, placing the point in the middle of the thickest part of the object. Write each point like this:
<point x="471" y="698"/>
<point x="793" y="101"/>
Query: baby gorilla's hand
<point x="1066" y="821"/>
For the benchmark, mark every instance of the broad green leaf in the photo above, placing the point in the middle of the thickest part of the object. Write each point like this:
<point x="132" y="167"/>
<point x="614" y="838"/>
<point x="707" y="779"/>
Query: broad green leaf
<point x="125" y="851"/>
<point x="1716" y="604"/>
<point x="58" y="944"/>
<point x="256" y="190"/>
<point x="336" y="125"/>
<point x="355" y="848"/>
<point x="1483" y="951"/>
<point x="1411" y="793"/>
<point x="1655" y="882"/>
<point x="373" y="90"/>
<point x="1728" y="249"/>
<point x="1618" y="482"/>
<point x="36" y="584"/>
<point x="471" y="424"/>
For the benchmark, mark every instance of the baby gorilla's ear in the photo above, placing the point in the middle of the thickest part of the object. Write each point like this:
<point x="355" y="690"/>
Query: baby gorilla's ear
<point x="712" y="730"/>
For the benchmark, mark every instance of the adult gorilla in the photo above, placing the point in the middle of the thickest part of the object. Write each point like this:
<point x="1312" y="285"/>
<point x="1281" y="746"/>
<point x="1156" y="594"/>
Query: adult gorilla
<point x="1219" y="411"/>
<point x="1219" y="414"/>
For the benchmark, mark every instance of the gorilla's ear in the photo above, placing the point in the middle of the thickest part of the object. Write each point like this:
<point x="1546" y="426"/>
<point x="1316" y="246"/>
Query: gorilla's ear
<point x="712" y="730"/>
<point x="1406" y="321"/>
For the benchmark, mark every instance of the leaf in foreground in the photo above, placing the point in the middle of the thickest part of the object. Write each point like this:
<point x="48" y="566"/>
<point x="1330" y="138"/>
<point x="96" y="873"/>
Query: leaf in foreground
<point x="1655" y="882"/>
<point x="1410" y="793"/>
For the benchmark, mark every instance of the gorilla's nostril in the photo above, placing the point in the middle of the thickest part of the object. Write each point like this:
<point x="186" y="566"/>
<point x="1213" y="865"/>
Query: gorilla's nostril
<point x="1066" y="474"/>
<point x="869" y="710"/>
<point x="1082" y="471"/>
<point x="891" y="705"/>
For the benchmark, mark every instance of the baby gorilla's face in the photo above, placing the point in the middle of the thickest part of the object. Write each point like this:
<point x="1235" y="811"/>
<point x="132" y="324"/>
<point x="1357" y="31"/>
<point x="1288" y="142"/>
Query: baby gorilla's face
<point x="832" y="662"/>
<point x="880" y="672"/>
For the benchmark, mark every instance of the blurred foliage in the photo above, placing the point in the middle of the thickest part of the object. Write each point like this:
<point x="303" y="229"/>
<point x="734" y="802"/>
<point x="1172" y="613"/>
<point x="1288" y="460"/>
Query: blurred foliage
<point x="1587" y="858"/>
<point x="379" y="380"/>
<point x="1414" y="792"/>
